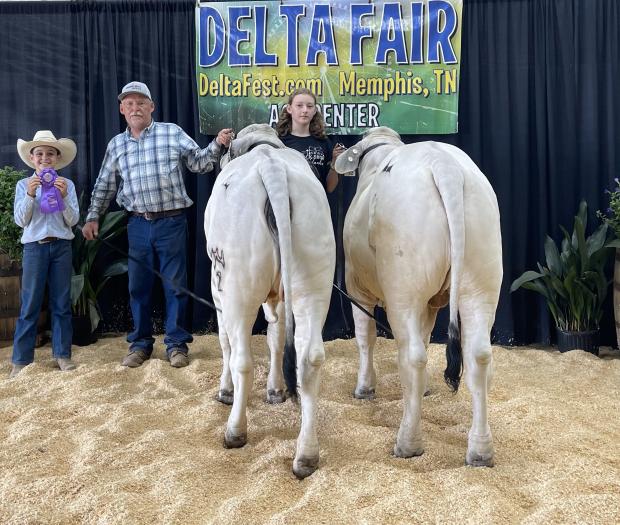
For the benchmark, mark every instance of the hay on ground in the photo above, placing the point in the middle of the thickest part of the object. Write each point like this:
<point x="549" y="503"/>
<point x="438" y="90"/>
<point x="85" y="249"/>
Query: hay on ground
<point x="110" y="445"/>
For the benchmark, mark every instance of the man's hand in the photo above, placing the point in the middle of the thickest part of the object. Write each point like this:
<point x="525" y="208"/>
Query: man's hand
<point x="61" y="185"/>
<point x="33" y="183"/>
<point x="90" y="230"/>
<point x="225" y="136"/>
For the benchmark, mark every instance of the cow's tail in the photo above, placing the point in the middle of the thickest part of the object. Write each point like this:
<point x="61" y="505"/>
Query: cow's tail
<point x="275" y="181"/>
<point x="448" y="177"/>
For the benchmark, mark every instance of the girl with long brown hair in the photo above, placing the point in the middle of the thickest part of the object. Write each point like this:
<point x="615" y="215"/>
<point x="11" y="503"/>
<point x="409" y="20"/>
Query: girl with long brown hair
<point x="301" y="127"/>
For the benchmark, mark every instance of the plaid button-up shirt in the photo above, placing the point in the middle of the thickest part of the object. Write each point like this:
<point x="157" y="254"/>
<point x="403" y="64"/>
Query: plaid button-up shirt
<point x="150" y="170"/>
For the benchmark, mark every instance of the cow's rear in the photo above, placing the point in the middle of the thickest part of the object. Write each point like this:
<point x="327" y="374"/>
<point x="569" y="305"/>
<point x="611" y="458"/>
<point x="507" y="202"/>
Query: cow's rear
<point x="270" y="240"/>
<point x="423" y="231"/>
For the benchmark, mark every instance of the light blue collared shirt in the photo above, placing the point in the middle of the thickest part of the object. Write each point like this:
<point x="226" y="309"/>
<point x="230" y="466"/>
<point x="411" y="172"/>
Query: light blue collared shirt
<point x="150" y="170"/>
<point x="37" y="225"/>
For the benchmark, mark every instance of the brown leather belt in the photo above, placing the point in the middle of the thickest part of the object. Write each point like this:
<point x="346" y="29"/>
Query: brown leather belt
<point x="154" y="215"/>
<point x="48" y="239"/>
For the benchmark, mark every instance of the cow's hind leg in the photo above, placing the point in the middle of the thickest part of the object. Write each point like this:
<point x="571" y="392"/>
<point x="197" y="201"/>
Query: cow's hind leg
<point x="427" y="329"/>
<point x="242" y="371"/>
<point x="365" y="338"/>
<point x="478" y="361"/>
<point x="274" y="314"/>
<point x="310" y="357"/>
<point x="411" y="367"/>
<point x="225" y="393"/>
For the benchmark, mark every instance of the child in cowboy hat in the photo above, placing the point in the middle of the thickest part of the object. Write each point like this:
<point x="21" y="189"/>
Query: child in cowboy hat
<point x="46" y="207"/>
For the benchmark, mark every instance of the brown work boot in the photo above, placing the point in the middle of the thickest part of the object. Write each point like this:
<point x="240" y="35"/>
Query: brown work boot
<point x="134" y="359"/>
<point x="178" y="358"/>
<point x="65" y="363"/>
<point x="16" y="370"/>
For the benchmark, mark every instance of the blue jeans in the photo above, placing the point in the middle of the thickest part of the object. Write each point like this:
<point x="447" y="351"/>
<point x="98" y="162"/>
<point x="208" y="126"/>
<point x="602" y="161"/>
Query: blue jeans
<point x="160" y="241"/>
<point x="44" y="263"/>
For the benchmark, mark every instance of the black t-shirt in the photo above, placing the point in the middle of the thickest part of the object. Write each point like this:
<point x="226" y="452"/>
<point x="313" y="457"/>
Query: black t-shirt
<point x="318" y="152"/>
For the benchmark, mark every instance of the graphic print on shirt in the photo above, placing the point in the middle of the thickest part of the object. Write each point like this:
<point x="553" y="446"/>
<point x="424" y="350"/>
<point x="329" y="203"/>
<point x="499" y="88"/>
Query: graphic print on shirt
<point x="315" y="155"/>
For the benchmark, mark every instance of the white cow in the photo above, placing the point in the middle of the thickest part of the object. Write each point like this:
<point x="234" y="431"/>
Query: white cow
<point x="424" y="226"/>
<point x="270" y="240"/>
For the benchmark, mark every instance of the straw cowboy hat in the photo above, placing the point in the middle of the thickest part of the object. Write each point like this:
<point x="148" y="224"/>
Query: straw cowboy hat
<point x="67" y="147"/>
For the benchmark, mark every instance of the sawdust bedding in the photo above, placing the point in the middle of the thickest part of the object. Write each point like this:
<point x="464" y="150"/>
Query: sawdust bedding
<point x="110" y="445"/>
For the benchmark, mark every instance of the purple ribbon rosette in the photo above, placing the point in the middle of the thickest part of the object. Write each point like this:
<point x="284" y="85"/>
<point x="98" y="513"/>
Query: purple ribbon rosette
<point x="51" y="199"/>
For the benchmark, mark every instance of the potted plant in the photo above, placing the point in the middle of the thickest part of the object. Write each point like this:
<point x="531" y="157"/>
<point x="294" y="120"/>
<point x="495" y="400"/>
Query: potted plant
<point x="10" y="233"/>
<point x="10" y="256"/>
<point x="612" y="218"/>
<point x="11" y="262"/>
<point x="573" y="283"/>
<point x="89" y="278"/>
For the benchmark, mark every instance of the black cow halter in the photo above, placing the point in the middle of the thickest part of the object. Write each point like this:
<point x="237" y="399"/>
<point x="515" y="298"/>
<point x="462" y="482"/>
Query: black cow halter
<point x="259" y="143"/>
<point x="366" y="152"/>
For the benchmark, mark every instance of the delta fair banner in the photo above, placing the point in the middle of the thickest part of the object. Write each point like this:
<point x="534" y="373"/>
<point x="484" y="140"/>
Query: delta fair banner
<point x="373" y="64"/>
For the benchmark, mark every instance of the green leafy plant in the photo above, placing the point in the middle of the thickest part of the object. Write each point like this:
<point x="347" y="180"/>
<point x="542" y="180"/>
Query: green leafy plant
<point x="86" y="284"/>
<point x="573" y="282"/>
<point x="612" y="216"/>
<point x="10" y="233"/>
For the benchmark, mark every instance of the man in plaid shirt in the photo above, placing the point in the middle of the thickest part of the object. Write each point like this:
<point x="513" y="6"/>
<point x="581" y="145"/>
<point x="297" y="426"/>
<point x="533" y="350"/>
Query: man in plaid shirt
<point x="148" y="156"/>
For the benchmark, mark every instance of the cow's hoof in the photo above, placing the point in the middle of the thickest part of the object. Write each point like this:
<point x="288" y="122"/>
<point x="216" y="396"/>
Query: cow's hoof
<point x="364" y="393"/>
<point x="275" y="396"/>
<point x="427" y="392"/>
<point x="478" y="460"/>
<point x="234" y="440"/>
<point x="406" y="452"/>
<point x="225" y="396"/>
<point x="480" y="450"/>
<point x="305" y="466"/>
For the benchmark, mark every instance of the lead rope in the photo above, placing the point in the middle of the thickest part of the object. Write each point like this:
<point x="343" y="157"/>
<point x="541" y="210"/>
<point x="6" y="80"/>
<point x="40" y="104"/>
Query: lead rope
<point x="188" y="292"/>
<point x="340" y="241"/>
<point x="172" y="283"/>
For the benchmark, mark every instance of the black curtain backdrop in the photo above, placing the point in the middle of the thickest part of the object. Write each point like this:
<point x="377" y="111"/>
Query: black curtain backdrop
<point x="538" y="112"/>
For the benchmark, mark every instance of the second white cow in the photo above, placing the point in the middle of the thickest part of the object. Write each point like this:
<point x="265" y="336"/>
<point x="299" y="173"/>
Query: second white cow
<point x="270" y="239"/>
<point x="424" y="227"/>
